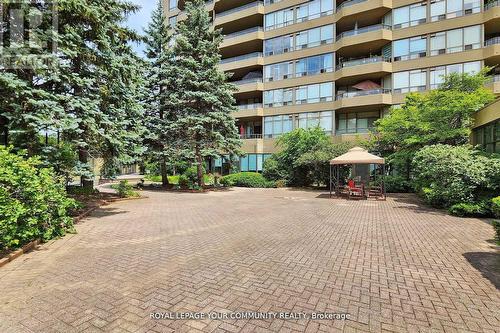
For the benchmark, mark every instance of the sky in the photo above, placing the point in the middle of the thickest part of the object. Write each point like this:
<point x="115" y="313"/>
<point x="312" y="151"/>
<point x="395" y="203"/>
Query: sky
<point x="140" y="20"/>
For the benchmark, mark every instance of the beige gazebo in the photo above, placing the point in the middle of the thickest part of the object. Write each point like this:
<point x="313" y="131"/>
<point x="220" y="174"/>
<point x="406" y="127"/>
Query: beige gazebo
<point x="355" y="156"/>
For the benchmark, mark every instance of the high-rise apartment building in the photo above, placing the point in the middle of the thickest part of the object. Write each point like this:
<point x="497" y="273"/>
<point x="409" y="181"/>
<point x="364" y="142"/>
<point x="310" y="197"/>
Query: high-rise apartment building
<point x="341" y="64"/>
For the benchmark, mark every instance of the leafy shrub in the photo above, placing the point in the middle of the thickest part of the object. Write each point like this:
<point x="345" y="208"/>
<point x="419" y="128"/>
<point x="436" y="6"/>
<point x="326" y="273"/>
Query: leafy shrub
<point x="247" y="179"/>
<point x="496" y="227"/>
<point x="447" y="175"/>
<point x="495" y="206"/>
<point x="469" y="210"/>
<point x="397" y="184"/>
<point x="192" y="174"/>
<point x="33" y="201"/>
<point x="272" y="169"/>
<point x="184" y="181"/>
<point x="125" y="190"/>
<point x="81" y="190"/>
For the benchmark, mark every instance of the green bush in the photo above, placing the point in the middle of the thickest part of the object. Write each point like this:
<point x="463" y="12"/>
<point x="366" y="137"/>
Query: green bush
<point x="183" y="181"/>
<point x="81" y="190"/>
<point x="247" y="179"/>
<point x="397" y="184"/>
<point x="192" y="174"/>
<point x="496" y="227"/>
<point x="469" y="210"/>
<point x="272" y="169"/>
<point x="33" y="201"/>
<point x="495" y="206"/>
<point x="125" y="190"/>
<point x="447" y="175"/>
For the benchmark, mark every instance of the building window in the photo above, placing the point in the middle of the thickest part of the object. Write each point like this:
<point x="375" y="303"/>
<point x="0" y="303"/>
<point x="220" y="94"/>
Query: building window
<point x="487" y="137"/>
<point x="278" y="97"/>
<point x="409" y="81"/>
<point x="314" y="37"/>
<point x="441" y="10"/>
<point x="410" y="48"/>
<point x="437" y="74"/>
<point x="314" y="65"/>
<point x="172" y="4"/>
<point x="278" y="45"/>
<point x="314" y="93"/>
<point x="277" y="125"/>
<point x="172" y="21"/>
<point x="314" y="119"/>
<point x="314" y="9"/>
<point x="280" y="71"/>
<point x="409" y="15"/>
<point x="253" y="162"/>
<point x="356" y="122"/>
<point x="279" y="19"/>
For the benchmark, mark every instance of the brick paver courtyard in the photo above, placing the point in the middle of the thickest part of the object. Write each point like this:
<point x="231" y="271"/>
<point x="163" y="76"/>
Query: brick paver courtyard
<point x="393" y="266"/>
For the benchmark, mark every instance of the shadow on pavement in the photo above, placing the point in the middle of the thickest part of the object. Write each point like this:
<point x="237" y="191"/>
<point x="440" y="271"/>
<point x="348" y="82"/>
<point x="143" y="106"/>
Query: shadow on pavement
<point x="488" y="263"/>
<point x="107" y="211"/>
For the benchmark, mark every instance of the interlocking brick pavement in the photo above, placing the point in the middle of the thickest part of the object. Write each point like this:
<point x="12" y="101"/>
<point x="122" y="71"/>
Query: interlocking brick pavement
<point x="393" y="266"/>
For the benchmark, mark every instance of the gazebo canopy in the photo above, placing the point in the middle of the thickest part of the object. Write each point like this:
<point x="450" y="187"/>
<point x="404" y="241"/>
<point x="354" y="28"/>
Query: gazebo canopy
<point x="357" y="155"/>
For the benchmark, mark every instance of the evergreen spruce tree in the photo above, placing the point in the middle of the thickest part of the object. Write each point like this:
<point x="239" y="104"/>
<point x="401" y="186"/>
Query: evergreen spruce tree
<point x="157" y="118"/>
<point x="197" y="91"/>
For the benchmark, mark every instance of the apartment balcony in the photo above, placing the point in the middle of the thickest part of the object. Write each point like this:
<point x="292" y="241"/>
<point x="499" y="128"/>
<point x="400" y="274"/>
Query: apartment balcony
<point x="359" y="98"/>
<point x="246" y="36"/>
<point x="250" y="11"/>
<point x="374" y="8"/>
<point x="249" y="85"/>
<point x="249" y="110"/>
<point x="491" y="5"/>
<point x="253" y="59"/>
<point x="360" y="68"/>
<point x="253" y="145"/>
<point x="492" y="50"/>
<point x="370" y="37"/>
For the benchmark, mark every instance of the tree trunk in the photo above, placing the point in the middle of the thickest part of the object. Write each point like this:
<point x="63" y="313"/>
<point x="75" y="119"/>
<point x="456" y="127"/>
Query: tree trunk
<point x="199" y="167"/>
<point x="83" y="157"/>
<point x="164" y="173"/>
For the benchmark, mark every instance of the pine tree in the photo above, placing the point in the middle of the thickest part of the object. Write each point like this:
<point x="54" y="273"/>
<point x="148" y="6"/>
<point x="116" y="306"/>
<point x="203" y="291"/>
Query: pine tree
<point x="197" y="91"/>
<point x="158" y="138"/>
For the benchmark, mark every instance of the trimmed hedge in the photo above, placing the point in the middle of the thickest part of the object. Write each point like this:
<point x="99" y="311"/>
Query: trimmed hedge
<point x="247" y="179"/>
<point x="33" y="201"/>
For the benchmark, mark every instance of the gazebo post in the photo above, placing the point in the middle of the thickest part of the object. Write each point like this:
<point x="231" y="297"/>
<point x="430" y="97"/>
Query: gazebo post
<point x="330" y="181"/>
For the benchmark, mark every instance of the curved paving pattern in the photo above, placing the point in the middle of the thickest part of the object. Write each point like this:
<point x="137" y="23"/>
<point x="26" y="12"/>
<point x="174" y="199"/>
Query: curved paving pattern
<point x="393" y="266"/>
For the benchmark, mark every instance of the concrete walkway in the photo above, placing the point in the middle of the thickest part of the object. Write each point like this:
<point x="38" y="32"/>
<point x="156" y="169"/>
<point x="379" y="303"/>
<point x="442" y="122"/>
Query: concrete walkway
<point x="392" y="266"/>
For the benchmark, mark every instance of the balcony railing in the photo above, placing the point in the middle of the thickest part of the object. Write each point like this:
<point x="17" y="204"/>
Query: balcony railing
<point x="250" y="106"/>
<point x="250" y="136"/>
<point x="363" y="30"/>
<point x="237" y="9"/>
<point x="240" y="82"/>
<point x="363" y="61"/>
<point x="243" y="32"/>
<point x="492" y="41"/>
<point x="492" y="4"/>
<point x="242" y="57"/>
<point x="351" y="94"/>
<point x="349" y="3"/>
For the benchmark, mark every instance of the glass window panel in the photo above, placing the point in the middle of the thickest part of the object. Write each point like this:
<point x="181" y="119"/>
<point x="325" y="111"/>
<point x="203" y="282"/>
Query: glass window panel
<point x="326" y="90"/>
<point x="313" y="93"/>
<point x="472" y="67"/>
<point x="326" y="121"/>
<point x="437" y="76"/>
<point x="401" y="16"/>
<point x="268" y="97"/>
<point x="313" y="65"/>
<point x="438" y="10"/>
<point x="418" y="14"/>
<point x="172" y="4"/>
<point x="327" y="33"/>
<point x="418" y="47"/>
<point x="252" y="162"/>
<point x="472" y="37"/>
<point x="418" y="79"/>
<point x="401" y="80"/>
<point x="287" y="124"/>
<point x="453" y="6"/>
<point x="328" y="62"/>
<point x="277" y="125"/>
<point x="454" y="40"/>
<point x="288" y="96"/>
<point x="314" y="37"/>
<point x="314" y="9"/>
<point x="456" y="68"/>
<point x="401" y="49"/>
<point x="326" y="6"/>
<point x="269" y="21"/>
<point x="301" y="96"/>
<point x="244" y="163"/>
<point x="438" y="43"/>
<point x="300" y="67"/>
